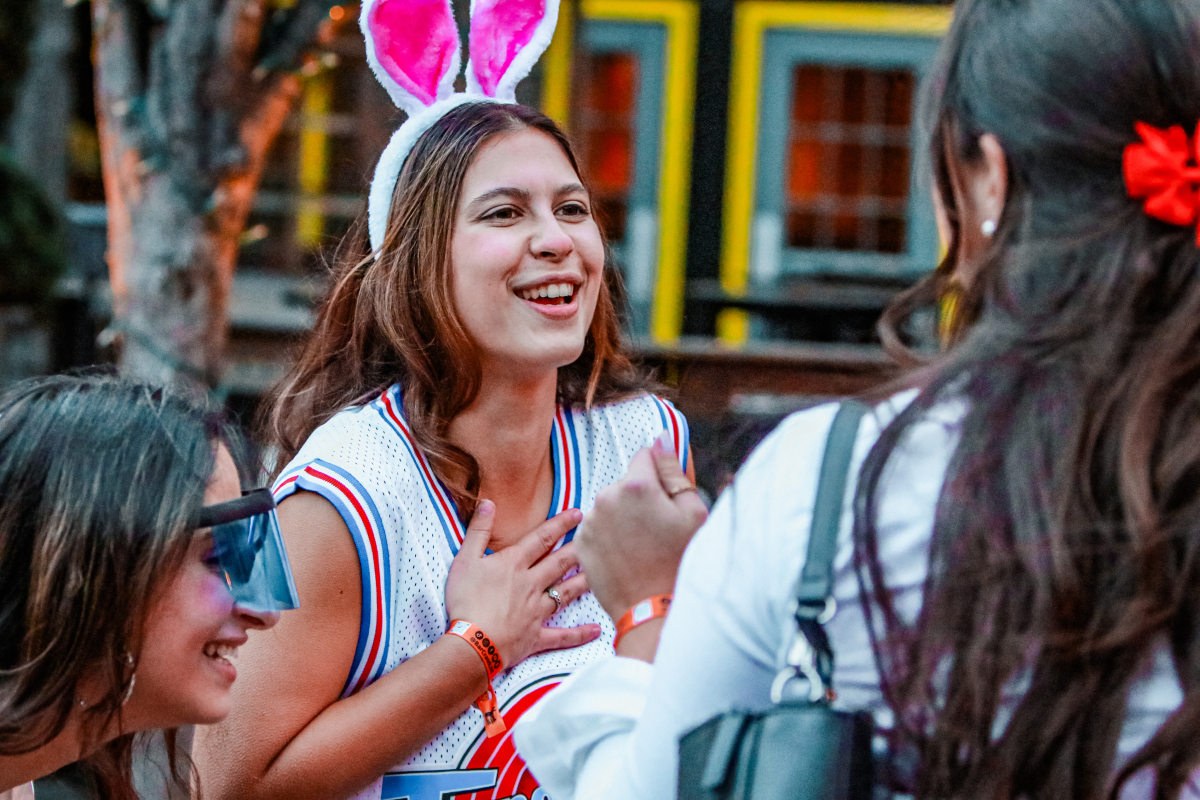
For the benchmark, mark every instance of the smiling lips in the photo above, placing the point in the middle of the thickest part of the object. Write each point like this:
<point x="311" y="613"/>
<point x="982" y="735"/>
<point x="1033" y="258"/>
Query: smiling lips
<point x="223" y="654"/>
<point x="549" y="294"/>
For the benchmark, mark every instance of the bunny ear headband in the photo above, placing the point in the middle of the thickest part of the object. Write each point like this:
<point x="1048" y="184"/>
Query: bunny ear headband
<point x="413" y="49"/>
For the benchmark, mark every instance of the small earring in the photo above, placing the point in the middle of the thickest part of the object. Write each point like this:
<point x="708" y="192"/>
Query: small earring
<point x="129" y="691"/>
<point x="132" y="679"/>
<point x="988" y="227"/>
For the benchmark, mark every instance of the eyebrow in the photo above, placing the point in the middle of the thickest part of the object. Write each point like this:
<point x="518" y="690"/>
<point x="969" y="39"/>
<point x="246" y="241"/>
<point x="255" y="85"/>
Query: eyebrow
<point x="503" y="191"/>
<point x="522" y="194"/>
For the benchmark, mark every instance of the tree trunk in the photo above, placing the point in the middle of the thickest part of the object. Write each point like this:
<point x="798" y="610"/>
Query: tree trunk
<point x="183" y="147"/>
<point x="38" y="128"/>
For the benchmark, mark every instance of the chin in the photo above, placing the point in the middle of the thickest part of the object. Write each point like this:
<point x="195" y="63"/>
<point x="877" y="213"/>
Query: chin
<point x="569" y="357"/>
<point x="211" y="714"/>
<point x="209" y="708"/>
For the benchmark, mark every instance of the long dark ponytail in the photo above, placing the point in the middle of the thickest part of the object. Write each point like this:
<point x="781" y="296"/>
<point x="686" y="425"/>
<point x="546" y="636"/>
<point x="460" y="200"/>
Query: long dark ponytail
<point x="1067" y="538"/>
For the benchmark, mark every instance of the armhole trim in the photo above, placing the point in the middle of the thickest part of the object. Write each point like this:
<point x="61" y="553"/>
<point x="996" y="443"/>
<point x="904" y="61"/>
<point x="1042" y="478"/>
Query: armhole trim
<point x="361" y="516"/>
<point x="676" y="426"/>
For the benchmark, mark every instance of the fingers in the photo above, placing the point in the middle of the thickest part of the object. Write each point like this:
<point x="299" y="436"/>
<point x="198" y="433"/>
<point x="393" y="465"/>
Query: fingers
<point x="551" y="569"/>
<point x="570" y="590"/>
<point x="566" y="638"/>
<point x="666" y="463"/>
<point x="641" y="468"/>
<point x="545" y="536"/>
<point x="479" y="532"/>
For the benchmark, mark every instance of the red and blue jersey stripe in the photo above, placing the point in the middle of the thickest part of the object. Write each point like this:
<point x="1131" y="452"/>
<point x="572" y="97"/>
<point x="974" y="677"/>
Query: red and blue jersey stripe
<point x="390" y="407"/>
<point x="677" y="427"/>
<point x="362" y="518"/>
<point x="564" y="451"/>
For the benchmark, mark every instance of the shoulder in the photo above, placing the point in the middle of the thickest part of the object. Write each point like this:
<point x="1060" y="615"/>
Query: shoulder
<point x="788" y="460"/>
<point x="354" y="455"/>
<point x="637" y="421"/>
<point x="640" y="413"/>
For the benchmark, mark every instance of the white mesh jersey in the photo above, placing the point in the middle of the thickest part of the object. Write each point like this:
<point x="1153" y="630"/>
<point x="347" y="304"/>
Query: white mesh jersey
<point x="406" y="530"/>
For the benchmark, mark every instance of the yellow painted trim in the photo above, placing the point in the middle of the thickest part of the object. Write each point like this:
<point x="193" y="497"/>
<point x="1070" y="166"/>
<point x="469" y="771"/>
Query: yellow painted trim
<point x="314" y="159"/>
<point x="556" y="67"/>
<point x="682" y="21"/>
<point x="751" y="21"/>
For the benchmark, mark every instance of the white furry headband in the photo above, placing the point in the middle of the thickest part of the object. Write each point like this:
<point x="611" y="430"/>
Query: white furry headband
<point x="413" y="49"/>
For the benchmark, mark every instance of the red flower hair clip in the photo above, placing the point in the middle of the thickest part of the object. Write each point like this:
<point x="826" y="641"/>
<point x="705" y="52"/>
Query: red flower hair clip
<point x="1164" y="168"/>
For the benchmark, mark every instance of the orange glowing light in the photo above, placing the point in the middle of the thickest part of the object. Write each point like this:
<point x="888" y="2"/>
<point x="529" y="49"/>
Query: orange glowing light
<point x="336" y="13"/>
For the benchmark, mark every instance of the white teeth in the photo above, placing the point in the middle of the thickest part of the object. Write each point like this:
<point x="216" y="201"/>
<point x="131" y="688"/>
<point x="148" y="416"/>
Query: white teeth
<point x="549" y="290"/>
<point x="226" y="651"/>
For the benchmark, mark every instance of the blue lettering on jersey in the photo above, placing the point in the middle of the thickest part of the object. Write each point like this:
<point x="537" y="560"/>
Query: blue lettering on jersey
<point x="436" y="785"/>
<point x="444" y="785"/>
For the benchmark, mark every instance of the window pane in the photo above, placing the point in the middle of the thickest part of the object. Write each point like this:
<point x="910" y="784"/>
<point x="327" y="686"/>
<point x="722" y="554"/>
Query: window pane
<point x="891" y="235"/>
<point x="809" y="97"/>
<point x="848" y="158"/>
<point x="612" y="83"/>
<point x="854" y="96"/>
<point x="849" y="170"/>
<point x="897" y="104"/>
<point x="894" y="172"/>
<point x="805" y="178"/>
<point x="607" y="134"/>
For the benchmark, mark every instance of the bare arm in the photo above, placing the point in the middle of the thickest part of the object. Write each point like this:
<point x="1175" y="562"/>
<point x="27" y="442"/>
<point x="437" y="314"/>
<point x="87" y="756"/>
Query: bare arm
<point x="290" y="736"/>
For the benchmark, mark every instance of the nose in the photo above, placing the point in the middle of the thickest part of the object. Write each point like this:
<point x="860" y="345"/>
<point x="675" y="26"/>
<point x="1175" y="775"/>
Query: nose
<point x="252" y="619"/>
<point x="551" y="241"/>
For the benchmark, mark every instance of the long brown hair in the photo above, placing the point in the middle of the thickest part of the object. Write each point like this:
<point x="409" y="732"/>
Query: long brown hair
<point x="392" y="319"/>
<point x="1066" y="543"/>
<point x="101" y="481"/>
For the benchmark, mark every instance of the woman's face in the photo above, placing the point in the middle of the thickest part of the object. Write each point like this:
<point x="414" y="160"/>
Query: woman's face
<point x="526" y="257"/>
<point x="193" y="631"/>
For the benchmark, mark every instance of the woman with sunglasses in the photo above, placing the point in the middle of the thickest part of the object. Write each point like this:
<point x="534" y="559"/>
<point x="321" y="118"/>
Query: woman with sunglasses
<point x="1017" y="573"/>
<point x="131" y="570"/>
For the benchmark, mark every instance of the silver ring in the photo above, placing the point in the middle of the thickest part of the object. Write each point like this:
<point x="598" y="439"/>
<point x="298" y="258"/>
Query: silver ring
<point x="556" y="597"/>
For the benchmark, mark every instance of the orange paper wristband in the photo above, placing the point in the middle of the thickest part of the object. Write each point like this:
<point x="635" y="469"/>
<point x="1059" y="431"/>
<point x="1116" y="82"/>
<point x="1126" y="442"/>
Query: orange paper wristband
<point x="650" y="608"/>
<point x="493" y="723"/>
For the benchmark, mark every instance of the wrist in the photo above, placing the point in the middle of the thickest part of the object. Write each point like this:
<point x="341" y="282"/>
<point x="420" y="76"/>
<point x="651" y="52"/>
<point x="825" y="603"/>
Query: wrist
<point x="650" y="610"/>
<point x="641" y="642"/>
<point x="492" y="663"/>
<point x="469" y="660"/>
<point x="621" y="607"/>
<point x="477" y="639"/>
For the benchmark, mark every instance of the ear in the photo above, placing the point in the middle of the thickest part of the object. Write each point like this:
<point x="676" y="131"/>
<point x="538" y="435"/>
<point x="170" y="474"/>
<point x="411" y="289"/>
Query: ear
<point x="507" y="39"/>
<point x="989" y="185"/>
<point x="413" y="49"/>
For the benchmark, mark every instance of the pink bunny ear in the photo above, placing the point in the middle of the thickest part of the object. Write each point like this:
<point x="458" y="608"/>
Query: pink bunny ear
<point x="412" y="46"/>
<point x="507" y="39"/>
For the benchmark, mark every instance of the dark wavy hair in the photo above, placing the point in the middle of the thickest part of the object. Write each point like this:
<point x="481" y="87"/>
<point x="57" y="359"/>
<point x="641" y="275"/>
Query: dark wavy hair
<point x="101" y="480"/>
<point x="392" y="319"/>
<point x="1067" y="537"/>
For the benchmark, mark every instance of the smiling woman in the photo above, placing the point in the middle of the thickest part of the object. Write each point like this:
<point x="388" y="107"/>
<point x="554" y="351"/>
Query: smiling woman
<point x="118" y="613"/>
<point x="475" y="354"/>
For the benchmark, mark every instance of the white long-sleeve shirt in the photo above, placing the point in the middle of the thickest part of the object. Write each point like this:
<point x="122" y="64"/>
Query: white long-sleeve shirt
<point x="612" y="729"/>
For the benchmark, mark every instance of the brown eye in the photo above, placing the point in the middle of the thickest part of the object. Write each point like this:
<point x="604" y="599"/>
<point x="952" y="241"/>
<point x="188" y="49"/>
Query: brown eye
<point x="574" y="210"/>
<point x="501" y="214"/>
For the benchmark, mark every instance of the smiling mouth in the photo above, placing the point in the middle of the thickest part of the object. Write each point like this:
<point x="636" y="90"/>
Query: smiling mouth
<point x="224" y="652"/>
<point x="549" y="294"/>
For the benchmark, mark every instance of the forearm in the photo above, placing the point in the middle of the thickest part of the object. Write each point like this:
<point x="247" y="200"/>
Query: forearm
<point x="356" y="739"/>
